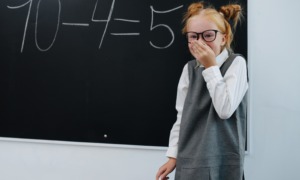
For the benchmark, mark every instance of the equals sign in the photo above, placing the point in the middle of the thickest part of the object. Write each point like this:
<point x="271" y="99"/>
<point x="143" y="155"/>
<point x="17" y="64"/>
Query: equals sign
<point x="126" y="34"/>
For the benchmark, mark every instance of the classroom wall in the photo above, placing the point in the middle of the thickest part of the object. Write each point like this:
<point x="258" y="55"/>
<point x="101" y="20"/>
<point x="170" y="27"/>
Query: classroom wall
<point x="274" y="83"/>
<point x="275" y="86"/>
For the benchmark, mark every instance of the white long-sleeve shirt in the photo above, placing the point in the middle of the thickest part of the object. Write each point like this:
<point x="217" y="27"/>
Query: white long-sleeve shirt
<point x="226" y="92"/>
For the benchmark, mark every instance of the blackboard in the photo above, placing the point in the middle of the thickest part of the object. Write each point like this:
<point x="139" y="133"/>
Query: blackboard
<point x="100" y="71"/>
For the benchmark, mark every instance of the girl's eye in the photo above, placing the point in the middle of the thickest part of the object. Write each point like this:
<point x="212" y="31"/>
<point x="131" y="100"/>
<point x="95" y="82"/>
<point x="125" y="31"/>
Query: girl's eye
<point x="193" y="37"/>
<point x="208" y="35"/>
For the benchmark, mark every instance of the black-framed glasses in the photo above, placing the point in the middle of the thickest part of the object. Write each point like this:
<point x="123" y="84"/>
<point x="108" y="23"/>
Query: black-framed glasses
<point x="208" y="35"/>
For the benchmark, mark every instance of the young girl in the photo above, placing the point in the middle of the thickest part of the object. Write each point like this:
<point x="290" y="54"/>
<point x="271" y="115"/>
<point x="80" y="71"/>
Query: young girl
<point x="207" y="142"/>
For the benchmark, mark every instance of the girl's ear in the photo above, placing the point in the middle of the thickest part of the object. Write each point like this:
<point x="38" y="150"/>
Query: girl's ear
<point x="224" y="40"/>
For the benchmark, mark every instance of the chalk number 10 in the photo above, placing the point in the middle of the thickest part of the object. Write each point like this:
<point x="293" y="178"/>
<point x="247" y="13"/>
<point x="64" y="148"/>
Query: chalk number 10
<point x="29" y="3"/>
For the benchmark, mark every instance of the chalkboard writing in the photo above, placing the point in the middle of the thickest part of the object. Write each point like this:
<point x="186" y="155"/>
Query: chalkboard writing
<point x="93" y="70"/>
<point x="93" y="19"/>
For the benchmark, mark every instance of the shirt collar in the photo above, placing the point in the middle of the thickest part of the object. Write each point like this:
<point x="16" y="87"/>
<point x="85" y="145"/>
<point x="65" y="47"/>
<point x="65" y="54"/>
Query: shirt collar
<point x="221" y="58"/>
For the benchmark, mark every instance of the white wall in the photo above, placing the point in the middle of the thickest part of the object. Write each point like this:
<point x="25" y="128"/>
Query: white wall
<point x="274" y="38"/>
<point x="74" y="161"/>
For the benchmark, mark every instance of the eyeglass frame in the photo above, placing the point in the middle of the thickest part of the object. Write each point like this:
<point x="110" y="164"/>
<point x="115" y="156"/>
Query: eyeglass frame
<point x="198" y="34"/>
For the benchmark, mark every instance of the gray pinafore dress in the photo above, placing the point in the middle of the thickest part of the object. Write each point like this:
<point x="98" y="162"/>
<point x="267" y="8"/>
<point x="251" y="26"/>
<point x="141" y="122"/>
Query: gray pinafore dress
<point x="209" y="148"/>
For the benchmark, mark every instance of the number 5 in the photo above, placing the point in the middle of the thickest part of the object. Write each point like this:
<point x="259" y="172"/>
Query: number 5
<point x="162" y="26"/>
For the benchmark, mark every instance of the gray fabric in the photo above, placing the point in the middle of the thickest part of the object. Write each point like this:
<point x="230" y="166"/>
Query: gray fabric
<point x="209" y="148"/>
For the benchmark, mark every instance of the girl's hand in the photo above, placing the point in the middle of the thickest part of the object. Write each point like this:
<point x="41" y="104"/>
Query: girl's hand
<point x="203" y="53"/>
<point x="166" y="169"/>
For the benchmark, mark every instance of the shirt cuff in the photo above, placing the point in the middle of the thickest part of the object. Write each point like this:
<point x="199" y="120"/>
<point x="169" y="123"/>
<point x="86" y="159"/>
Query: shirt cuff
<point x="212" y="73"/>
<point x="172" y="152"/>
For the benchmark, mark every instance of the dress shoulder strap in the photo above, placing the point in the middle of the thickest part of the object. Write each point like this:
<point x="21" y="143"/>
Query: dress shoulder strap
<point x="228" y="62"/>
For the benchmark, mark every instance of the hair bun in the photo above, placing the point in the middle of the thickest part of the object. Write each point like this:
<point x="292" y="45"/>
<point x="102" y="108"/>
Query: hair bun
<point x="232" y="12"/>
<point x="193" y="9"/>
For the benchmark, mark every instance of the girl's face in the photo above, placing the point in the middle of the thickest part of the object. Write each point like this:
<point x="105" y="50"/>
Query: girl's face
<point x="200" y="23"/>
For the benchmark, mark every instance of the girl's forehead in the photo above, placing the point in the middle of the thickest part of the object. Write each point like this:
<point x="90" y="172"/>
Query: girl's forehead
<point x="200" y="22"/>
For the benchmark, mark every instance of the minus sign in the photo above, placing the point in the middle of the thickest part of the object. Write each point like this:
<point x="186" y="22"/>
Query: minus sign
<point x="75" y="24"/>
